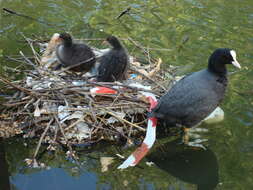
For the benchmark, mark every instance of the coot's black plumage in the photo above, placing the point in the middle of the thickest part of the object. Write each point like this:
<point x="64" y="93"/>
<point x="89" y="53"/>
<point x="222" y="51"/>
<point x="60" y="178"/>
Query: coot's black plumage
<point x="70" y="54"/>
<point x="195" y="96"/>
<point x="114" y="64"/>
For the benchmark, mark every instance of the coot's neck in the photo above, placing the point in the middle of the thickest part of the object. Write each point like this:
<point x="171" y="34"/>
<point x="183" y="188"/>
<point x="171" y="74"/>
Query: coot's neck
<point x="116" y="44"/>
<point x="217" y="67"/>
<point x="67" y="43"/>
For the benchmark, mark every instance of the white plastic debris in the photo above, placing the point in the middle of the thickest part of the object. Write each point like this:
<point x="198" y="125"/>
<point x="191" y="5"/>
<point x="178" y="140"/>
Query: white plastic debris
<point x="78" y="83"/>
<point x="63" y="113"/>
<point x="43" y="83"/>
<point x="37" y="112"/>
<point x="82" y="131"/>
<point x="105" y="162"/>
<point x="113" y="119"/>
<point x="29" y="81"/>
<point x="216" y="116"/>
<point x="139" y="85"/>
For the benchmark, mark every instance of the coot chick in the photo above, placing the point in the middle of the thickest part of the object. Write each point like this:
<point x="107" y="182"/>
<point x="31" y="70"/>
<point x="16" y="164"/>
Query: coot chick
<point x="70" y="54"/>
<point x="113" y="64"/>
<point x="196" y="95"/>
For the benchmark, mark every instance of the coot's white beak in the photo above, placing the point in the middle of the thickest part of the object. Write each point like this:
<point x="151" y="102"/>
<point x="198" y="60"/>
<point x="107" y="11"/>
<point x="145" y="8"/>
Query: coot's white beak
<point x="235" y="62"/>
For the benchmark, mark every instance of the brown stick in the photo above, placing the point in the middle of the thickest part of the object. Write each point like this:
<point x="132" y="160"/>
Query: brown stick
<point x="3" y="79"/>
<point x="63" y="134"/>
<point x="41" y="138"/>
<point x="27" y="17"/>
<point x="121" y="119"/>
<point x="135" y="70"/>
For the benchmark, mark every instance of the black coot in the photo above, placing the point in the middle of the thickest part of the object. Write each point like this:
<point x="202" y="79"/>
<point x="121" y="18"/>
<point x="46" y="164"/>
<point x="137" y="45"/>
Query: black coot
<point x="196" y="95"/>
<point x="70" y="54"/>
<point x="114" y="64"/>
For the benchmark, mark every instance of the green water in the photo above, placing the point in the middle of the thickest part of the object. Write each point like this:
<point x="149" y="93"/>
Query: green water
<point x="162" y="26"/>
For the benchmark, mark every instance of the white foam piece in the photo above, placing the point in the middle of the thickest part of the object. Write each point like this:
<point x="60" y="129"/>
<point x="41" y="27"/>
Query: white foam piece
<point x="216" y="116"/>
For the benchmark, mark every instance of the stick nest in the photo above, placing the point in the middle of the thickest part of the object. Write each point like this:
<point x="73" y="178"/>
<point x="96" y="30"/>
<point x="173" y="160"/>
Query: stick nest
<point x="58" y="106"/>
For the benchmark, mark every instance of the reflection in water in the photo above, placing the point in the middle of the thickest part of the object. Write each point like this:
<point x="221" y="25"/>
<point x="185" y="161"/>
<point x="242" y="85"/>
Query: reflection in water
<point x="4" y="174"/>
<point x="196" y="166"/>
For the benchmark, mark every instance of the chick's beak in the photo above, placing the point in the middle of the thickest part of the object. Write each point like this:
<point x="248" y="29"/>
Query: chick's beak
<point x="104" y="42"/>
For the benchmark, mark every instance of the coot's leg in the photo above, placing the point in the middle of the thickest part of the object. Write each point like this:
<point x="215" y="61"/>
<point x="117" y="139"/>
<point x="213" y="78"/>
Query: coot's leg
<point x="187" y="132"/>
<point x="185" y="135"/>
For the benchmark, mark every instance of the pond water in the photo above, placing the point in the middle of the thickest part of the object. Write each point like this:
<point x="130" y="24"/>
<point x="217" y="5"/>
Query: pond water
<point x="182" y="33"/>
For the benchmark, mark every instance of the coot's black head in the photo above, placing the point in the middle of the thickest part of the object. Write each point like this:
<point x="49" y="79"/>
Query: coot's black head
<point x="219" y="58"/>
<point x="114" y="42"/>
<point x="66" y="38"/>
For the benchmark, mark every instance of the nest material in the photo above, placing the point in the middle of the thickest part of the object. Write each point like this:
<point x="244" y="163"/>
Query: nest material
<point x="59" y="107"/>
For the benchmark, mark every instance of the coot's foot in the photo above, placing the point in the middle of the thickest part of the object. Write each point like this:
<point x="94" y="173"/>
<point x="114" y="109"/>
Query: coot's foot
<point x="191" y="132"/>
<point x="197" y="143"/>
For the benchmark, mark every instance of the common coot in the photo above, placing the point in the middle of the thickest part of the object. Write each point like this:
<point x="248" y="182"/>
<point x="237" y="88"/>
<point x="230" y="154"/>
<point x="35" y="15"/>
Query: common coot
<point x="113" y="64"/>
<point x="196" y="95"/>
<point x="70" y="54"/>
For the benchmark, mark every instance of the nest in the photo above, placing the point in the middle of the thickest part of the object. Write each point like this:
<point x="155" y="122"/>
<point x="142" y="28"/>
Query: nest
<point x="59" y="106"/>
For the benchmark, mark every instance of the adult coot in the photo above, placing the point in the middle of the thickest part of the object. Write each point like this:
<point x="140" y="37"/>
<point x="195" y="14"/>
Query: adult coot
<point x="70" y="54"/>
<point x="113" y="64"/>
<point x="196" y="95"/>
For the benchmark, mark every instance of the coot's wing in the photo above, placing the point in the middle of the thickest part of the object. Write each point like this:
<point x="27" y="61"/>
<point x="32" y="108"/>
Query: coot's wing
<point x="112" y="65"/>
<point x="106" y="67"/>
<point x="82" y="53"/>
<point x="189" y="99"/>
<point x="122" y="64"/>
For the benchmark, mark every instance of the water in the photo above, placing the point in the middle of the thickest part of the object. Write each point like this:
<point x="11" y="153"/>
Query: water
<point x="163" y="26"/>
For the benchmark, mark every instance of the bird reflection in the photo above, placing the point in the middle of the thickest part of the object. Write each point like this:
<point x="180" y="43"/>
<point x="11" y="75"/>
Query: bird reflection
<point x="4" y="174"/>
<point x="191" y="165"/>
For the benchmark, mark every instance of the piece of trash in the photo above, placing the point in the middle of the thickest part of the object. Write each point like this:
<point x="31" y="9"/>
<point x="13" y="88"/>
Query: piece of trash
<point x="105" y="163"/>
<point x="120" y="156"/>
<point x="33" y="163"/>
<point x="83" y="131"/>
<point x="78" y="83"/>
<point x="216" y="116"/>
<point x="102" y="90"/>
<point x="112" y="119"/>
<point x="149" y="139"/>
<point x="63" y="113"/>
<point x="138" y="85"/>
<point x="150" y="163"/>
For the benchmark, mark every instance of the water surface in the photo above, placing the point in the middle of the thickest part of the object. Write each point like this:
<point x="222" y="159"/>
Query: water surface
<point x="162" y="26"/>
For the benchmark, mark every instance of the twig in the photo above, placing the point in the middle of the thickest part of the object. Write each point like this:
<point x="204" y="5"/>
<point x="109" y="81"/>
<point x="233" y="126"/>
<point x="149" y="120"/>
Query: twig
<point x="27" y="60"/>
<point x="121" y="119"/>
<point x="3" y="79"/>
<point x="27" y="17"/>
<point x="74" y="124"/>
<point x="12" y="104"/>
<point x="31" y="46"/>
<point x="63" y="133"/>
<point x="141" y="47"/>
<point x="126" y="11"/>
<point x="41" y="138"/>
<point x="135" y="70"/>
